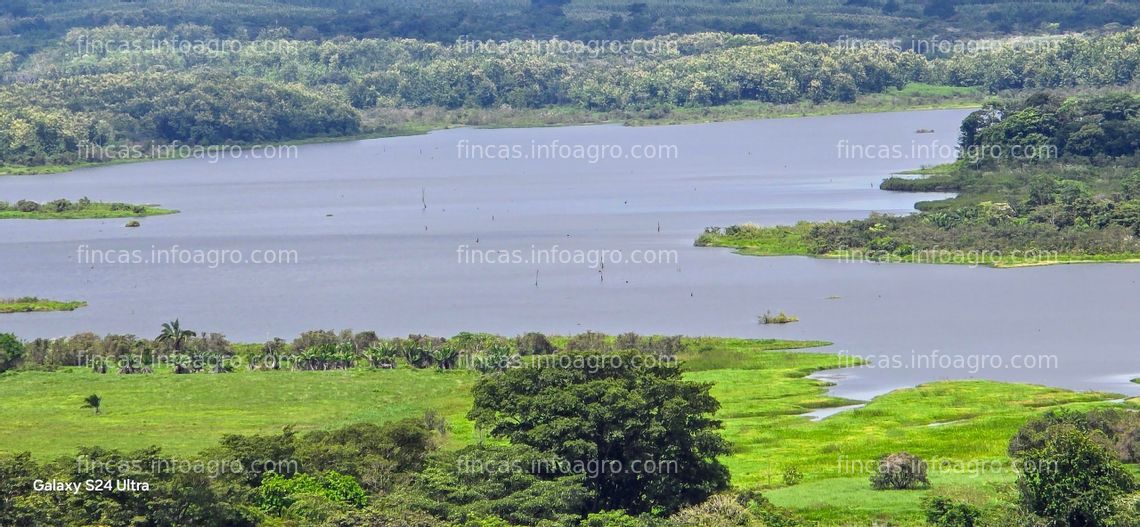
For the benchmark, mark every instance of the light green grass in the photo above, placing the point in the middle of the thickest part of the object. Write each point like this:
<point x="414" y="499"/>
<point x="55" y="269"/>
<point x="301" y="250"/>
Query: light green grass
<point x="851" y="501"/>
<point x="92" y="211"/>
<point x="185" y="414"/>
<point x="762" y="386"/>
<point x="755" y="240"/>
<point x="31" y="304"/>
<point x="785" y="240"/>
<point x="922" y="89"/>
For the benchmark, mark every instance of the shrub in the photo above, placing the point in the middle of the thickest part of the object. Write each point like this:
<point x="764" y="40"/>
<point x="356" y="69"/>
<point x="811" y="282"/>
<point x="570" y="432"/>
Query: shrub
<point x="900" y="471"/>
<point x="59" y="205"/>
<point x="942" y="511"/>
<point x="588" y="341"/>
<point x="743" y="230"/>
<point x="780" y="318"/>
<point x="277" y="493"/>
<point x="792" y="476"/>
<point x="1071" y="480"/>
<point x="1115" y="428"/>
<point x="11" y="351"/>
<point x="717" y="511"/>
<point x="27" y="206"/>
<point x="533" y="344"/>
<point x="610" y="519"/>
<point x="313" y="339"/>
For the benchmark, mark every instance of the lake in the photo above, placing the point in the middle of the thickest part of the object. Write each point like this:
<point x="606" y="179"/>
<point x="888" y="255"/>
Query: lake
<point x="499" y="230"/>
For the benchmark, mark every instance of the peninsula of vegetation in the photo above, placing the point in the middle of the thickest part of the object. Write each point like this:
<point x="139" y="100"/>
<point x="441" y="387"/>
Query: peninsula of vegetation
<point x="28" y="304"/>
<point x="1042" y="180"/>
<point x="62" y="209"/>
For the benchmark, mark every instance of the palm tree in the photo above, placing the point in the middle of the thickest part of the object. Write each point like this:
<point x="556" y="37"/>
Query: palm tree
<point x="173" y="333"/>
<point x="92" y="401"/>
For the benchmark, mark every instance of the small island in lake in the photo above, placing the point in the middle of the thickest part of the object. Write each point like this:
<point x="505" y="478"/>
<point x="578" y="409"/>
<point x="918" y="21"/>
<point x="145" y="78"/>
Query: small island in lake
<point x="30" y="304"/>
<point x="63" y="209"/>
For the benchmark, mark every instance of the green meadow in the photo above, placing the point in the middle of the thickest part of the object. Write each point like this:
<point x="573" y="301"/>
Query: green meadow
<point x="960" y="427"/>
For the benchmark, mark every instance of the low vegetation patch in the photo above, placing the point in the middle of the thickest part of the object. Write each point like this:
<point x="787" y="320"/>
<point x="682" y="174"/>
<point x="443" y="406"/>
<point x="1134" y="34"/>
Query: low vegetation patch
<point x="63" y="209"/>
<point x="29" y="304"/>
<point x="778" y="318"/>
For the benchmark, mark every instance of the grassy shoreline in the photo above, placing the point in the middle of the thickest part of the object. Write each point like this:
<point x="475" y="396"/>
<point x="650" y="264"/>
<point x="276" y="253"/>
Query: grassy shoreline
<point x="785" y="240"/>
<point x="33" y="305"/>
<point x="404" y="122"/>
<point x="763" y="386"/>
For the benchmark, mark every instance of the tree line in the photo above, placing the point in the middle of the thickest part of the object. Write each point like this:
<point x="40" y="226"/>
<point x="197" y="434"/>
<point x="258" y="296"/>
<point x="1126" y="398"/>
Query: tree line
<point x="1039" y="174"/>
<point x="26" y="25"/>
<point x="68" y="104"/>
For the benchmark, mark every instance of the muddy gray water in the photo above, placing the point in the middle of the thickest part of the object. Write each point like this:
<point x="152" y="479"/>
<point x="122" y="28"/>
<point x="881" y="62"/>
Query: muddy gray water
<point x="407" y="235"/>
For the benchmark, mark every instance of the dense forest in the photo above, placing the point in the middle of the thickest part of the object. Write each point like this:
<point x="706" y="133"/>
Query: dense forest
<point x="1047" y="175"/>
<point x="28" y="24"/>
<point x="99" y="90"/>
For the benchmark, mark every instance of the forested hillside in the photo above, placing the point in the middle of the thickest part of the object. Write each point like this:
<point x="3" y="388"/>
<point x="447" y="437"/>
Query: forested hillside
<point x="99" y="89"/>
<point x="28" y="24"/>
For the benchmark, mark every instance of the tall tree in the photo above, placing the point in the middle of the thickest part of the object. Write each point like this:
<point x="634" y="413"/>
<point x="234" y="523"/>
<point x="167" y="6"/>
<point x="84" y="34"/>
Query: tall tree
<point x="173" y="333"/>
<point x="644" y="437"/>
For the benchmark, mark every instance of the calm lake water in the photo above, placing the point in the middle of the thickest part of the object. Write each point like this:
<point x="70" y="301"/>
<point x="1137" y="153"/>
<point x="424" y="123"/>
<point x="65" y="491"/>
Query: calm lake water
<point x="403" y="235"/>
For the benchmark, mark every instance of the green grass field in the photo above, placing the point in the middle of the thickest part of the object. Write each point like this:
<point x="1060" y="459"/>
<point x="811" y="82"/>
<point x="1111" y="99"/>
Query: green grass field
<point x="185" y="414"/>
<point x="30" y="304"/>
<point x="960" y="427"/>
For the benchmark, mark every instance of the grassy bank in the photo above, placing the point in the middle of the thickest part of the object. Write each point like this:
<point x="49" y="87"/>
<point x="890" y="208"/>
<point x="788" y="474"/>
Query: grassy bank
<point x="961" y="427"/>
<point x="793" y="240"/>
<point x="30" y="304"/>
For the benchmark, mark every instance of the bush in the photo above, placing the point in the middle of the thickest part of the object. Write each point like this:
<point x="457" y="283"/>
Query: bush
<point x="1071" y="480"/>
<point x="780" y="318"/>
<point x="900" y="471"/>
<point x="743" y="230"/>
<point x="588" y="341"/>
<point x="533" y="344"/>
<point x="277" y="493"/>
<point x="717" y="511"/>
<point x="942" y="511"/>
<point x="627" y="341"/>
<point x="27" y="206"/>
<point x="1114" y="428"/>
<point x="610" y="519"/>
<point x="792" y="476"/>
<point x="59" y="205"/>
<point x="11" y="351"/>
